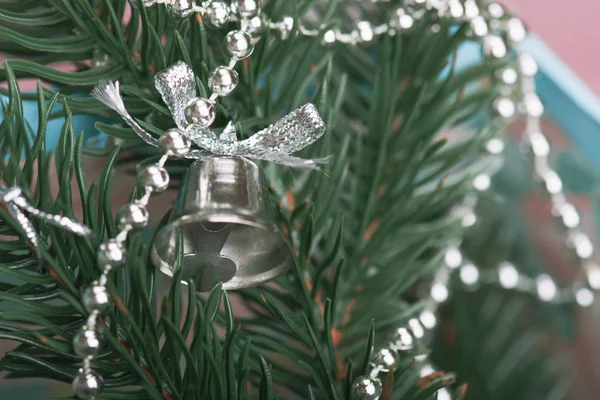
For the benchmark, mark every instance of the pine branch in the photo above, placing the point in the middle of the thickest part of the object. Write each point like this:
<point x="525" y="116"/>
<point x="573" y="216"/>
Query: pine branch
<point x="393" y="180"/>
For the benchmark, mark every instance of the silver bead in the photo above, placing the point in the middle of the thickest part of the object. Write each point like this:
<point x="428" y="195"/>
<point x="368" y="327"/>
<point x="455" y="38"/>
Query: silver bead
<point x="494" y="146"/>
<point x="246" y="8"/>
<point x="581" y="245"/>
<point x="364" y="32"/>
<point x="546" y="288"/>
<point x="255" y="25"/>
<point x="593" y="275"/>
<point x="87" y="343"/>
<point x="402" y="21"/>
<point x="439" y="292"/>
<point x="416" y="329"/>
<point x="286" y="26"/>
<point x="508" y="76"/>
<point x="239" y="44"/>
<point x="174" y="142"/>
<point x="154" y="177"/>
<point x="567" y="215"/>
<point x="181" y="9"/>
<point x="508" y="276"/>
<point x="494" y="47"/>
<point x="479" y="28"/>
<point x="495" y="10"/>
<point x="200" y="111"/>
<point x="453" y="257"/>
<point x="515" y="30"/>
<point x="428" y="319"/>
<point x="538" y="144"/>
<point x="402" y="340"/>
<point x="329" y="37"/>
<point x="87" y="385"/>
<point x="384" y="360"/>
<point x="133" y="215"/>
<point x="223" y="80"/>
<point x="584" y="297"/>
<point x="469" y="275"/>
<point x="482" y="182"/>
<point x="471" y="9"/>
<point x="552" y="182"/>
<point x="527" y="65"/>
<point x="532" y="105"/>
<point x="111" y="254"/>
<point x="96" y="299"/>
<point x="217" y="13"/>
<point x="454" y="10"/>
<point x="365" y="388"/>
<point x="503" y="107"/>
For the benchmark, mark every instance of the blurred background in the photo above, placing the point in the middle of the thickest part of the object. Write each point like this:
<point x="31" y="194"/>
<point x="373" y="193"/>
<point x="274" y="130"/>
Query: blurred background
<point x="570" y="30"/>
<point x="568" y="33"/>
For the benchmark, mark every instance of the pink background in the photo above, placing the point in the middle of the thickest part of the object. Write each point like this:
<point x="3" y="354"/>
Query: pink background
<point x="570" y="27"/>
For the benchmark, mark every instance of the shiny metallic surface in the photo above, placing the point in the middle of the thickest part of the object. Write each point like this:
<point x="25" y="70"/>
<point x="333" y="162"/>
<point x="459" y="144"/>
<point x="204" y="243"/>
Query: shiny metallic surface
<point x="494" y="47"/>
<point x="87" y="385"/>
<point x="87" y="343"/>
<point x="133" y="215"/>
<point x="200" y="111"/>
<point x="239" y="44"/>
<point x="384" y="360"/>
<point x="174" y="142"/>
<point x="223" y="80"/>
<point x="96" y="299"/>
<point x="223" y="215"/>
<point x="366" y="388"/>
<point x="153" y="177"/>
<point x="180" y="9"/>
<point x="217" y="13"/>
<point x="246" y="8"/>
<point x="111" y="254"/>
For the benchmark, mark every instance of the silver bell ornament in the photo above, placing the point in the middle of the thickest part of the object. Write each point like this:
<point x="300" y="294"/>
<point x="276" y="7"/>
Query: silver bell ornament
<point x="223" y="215"/>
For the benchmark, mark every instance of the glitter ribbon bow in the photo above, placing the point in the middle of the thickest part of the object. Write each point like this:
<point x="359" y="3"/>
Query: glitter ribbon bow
<point x="177" y="87"/>
<point x="13" y="200"/>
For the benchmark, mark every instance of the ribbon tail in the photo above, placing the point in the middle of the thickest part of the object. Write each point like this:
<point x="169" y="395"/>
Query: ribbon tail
<point x="26" y="225"/>
<point x="109" y="94"/>
<point x="177" y="86"/>
<point x="292" y="133"/>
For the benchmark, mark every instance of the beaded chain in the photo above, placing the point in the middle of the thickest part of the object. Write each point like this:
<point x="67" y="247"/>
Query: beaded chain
<point x="499" y="34"/>
<point x="87" y="343"/>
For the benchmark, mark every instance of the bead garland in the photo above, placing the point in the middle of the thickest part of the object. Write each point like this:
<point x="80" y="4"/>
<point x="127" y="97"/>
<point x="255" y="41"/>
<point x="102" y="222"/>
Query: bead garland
<point x="87" y="343"/>
<point x="495" y="30"/>
<point x="223" y="79"/>
<point x="499" y="34"/>
<point x="111" y="255"/>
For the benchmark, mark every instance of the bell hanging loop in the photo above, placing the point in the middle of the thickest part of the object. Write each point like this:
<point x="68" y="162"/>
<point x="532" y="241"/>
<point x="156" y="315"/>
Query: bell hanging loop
<point x="223" y="216"/>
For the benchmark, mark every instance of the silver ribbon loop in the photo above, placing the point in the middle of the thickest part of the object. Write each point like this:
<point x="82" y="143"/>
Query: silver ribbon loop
<point x="177" y="87"/>
<point x="15" y="203"/>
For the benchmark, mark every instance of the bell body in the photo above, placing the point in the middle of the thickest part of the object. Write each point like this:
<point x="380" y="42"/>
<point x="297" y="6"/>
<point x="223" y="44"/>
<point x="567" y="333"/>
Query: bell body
<point x="223" y="216"/>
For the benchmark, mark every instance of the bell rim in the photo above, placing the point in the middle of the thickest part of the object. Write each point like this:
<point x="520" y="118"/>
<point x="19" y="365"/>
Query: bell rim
<point x="220" y="215"/>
